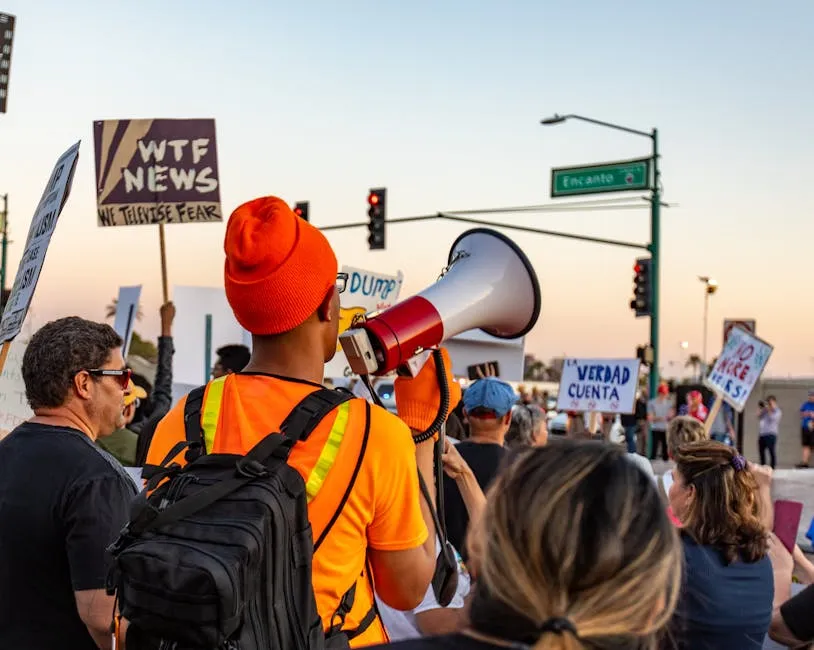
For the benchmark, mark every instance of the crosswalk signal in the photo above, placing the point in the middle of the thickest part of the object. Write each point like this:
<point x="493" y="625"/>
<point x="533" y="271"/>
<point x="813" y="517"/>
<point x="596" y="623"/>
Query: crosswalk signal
<point x="642" y="296"/>
<point x="376" y="200"/>
<point x="301" y="210"/>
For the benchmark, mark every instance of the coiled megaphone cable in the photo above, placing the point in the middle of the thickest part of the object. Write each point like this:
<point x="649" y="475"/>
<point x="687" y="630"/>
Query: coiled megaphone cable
<point x="443" y="406"/>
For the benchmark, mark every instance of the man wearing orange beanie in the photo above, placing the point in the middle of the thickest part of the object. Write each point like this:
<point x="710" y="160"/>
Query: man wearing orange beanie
<point x="282" y="284"/>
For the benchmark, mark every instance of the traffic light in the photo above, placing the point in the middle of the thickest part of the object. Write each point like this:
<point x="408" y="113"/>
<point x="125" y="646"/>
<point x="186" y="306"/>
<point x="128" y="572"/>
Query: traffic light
<point x="301" y="210"/>
<point x="376" y="200"/>
<point x="641" y="302"/>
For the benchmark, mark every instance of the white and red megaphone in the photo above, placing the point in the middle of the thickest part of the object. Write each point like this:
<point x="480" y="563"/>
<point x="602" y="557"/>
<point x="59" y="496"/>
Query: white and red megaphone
<point x="488" y="284"/>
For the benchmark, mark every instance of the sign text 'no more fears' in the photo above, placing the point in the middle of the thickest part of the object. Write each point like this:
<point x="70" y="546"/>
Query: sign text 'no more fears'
<point x="602" y="385"/>
<point x="601" y="178"/>
<point x="39" y="235"/>
<point x="738" y="367"/>
<point x="156" y="171"/>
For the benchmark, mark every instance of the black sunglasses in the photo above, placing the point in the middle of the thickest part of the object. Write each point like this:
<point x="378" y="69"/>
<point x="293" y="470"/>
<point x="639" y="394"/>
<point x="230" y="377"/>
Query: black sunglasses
<point x="341" y="282"/>
<point x="123" y="376"/>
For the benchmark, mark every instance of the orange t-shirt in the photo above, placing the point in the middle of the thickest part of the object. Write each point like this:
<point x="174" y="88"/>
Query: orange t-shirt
<point x="383" y="510"/>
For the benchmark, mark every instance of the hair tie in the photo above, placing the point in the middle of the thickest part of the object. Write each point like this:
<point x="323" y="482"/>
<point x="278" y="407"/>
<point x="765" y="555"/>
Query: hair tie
<point x="738" y="462"/>
<point x="557" y="625"/>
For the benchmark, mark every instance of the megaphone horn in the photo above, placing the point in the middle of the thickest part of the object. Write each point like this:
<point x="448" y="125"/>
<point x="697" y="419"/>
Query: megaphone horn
<point x="488" y="284"/>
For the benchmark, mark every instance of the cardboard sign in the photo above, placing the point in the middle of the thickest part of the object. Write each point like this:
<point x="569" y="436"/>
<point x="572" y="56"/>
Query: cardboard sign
<point x="14" y="409"/>
<point x="126" y="312"/>
<point x="366" y="291"/>
<point x="193" y="304"/>
<point x="748" y="324"/>
<point x="156" y="171"/>
<point x="738" y="367"/>
<point x="36" y="245"/>
<point x="601" y="385"/>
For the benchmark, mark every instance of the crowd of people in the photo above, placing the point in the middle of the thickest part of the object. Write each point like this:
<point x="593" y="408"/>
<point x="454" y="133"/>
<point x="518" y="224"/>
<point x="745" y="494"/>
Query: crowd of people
<point x="537" y="542"/>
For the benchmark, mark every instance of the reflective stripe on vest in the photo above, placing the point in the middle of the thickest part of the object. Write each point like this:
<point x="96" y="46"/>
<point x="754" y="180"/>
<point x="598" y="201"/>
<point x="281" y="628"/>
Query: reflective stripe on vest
<point x="210" y="411"/>
<point x="210" y="414"/>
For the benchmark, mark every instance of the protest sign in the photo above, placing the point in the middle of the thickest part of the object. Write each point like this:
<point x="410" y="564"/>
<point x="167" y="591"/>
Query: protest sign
<point x="126" y="311"/>
<point x="14" y="409"/>
<point x="39" y="235"/>
<point x="600" y="385"/>
<point x="366" y="291"/>
<point x="193" y="305"/>
<point x="156" y="172"/>
<point x="738" y="367"/>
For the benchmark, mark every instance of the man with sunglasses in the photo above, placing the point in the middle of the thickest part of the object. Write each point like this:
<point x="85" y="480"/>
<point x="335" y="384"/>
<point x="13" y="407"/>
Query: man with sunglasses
<point x="62" y="498"/>
<point x="282" y="283"/>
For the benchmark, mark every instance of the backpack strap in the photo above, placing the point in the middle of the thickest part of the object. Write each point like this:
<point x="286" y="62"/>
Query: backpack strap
<point x="299" y="424"/>
<point x="193" y="430"/>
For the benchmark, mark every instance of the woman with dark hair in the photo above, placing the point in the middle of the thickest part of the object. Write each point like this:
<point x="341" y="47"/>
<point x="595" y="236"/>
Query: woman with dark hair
<point x="573" y="552"/>
<point x="726" y="600"/>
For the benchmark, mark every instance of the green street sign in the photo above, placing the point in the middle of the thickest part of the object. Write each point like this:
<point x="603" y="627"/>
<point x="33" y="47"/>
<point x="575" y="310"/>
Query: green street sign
<point x="598" y="179"/>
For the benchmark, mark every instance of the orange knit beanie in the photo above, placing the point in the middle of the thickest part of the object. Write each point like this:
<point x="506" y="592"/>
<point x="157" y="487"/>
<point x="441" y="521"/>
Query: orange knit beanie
<point x="278" y="269"/>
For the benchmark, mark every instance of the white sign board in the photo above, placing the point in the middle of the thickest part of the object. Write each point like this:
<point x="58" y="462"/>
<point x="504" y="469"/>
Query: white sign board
<point x="192" y="305"/>
<point x="14" y="408"/>
<point x="366" y="291"/>
<point x="748" y="324"/>
<point x="474" y="346"/>
<point x="601" y="385"/>
<point x="738" y="367"/>
<point x="39" y="235"/>
<point x="126" y="311"/>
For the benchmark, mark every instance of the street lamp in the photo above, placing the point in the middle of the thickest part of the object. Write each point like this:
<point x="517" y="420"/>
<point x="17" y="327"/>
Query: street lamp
<point x="655" y="228"/>
<point x="710" y="287"/>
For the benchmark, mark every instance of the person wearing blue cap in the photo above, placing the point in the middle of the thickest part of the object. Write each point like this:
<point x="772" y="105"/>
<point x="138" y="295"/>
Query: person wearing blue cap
<point x="488" y="406"/>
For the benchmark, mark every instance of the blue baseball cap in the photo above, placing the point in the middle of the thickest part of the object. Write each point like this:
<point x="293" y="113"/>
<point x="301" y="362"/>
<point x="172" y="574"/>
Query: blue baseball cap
<point x="490" y="394"/>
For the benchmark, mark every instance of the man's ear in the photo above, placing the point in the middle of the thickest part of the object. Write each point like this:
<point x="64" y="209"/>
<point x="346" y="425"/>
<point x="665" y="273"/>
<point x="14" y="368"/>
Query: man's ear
<point x="325" y="310"/>
<point x="83" y="385"/>
<point x="507" y="419"/>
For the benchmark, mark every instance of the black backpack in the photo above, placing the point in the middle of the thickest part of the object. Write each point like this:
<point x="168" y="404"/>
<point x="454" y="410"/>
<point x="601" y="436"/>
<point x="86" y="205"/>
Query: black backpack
<point x="219" y="555"/>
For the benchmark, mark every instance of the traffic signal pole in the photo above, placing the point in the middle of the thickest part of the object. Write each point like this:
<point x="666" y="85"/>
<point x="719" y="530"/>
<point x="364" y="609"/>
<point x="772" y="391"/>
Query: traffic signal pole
<point x="655" y="270"/>
<point x="4" y="245"/>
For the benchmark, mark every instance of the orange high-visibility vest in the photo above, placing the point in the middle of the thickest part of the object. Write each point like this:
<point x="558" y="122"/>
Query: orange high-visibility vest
<point x="328" y="462"/>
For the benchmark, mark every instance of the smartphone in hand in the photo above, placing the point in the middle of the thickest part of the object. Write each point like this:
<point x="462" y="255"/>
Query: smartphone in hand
<point x="787" y="516"/>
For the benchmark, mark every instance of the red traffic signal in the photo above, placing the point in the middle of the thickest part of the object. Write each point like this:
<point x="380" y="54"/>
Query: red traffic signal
<point x="301" y="210"/>
<point x="373" y="198"/>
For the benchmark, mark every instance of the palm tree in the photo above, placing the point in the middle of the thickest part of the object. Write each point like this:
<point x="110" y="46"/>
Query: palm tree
<point x="695" y="362"/>
<point x="110" y="310"/>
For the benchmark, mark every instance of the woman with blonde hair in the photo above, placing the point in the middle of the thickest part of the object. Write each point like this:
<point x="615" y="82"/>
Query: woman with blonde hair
<point x="573" y="552"/>
<point x="726" y="601"/>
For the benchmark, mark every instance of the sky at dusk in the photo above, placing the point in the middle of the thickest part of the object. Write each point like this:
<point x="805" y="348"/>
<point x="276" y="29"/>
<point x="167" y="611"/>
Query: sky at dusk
<point x="440" y="103"/>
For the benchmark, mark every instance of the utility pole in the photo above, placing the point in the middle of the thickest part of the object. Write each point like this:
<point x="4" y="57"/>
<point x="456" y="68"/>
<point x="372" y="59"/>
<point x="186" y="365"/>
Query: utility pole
<point x="655" y="267"/>
<point x="4" y="249"/>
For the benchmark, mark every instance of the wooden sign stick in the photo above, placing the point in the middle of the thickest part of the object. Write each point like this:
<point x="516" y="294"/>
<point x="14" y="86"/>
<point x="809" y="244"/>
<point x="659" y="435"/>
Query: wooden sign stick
<point x="163" y="263"/>
<point x="3" y="354"/>
<point x="593" y="422"/>
<point x="713" y="413"/>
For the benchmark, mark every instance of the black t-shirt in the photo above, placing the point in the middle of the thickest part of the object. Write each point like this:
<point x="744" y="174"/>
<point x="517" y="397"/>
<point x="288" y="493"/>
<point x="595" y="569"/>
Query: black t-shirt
<point x="449" y="642"/>
<point x="796" y="613"/>
<point x="485" y="459"/>
<point x="62" y="502"/>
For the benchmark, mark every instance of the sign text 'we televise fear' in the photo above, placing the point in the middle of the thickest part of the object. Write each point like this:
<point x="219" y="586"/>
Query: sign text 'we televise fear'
<point x="602" y="385"/>
<point x="156" y="171"/>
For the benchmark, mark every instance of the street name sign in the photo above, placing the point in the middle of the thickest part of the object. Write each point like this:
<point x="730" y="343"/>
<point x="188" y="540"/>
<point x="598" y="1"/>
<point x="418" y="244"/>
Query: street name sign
<point x="620" y="176"/>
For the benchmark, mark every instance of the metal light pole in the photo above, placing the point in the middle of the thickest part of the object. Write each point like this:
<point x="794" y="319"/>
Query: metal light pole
<point x="655" y="232"/>
<point x="710" y="287"/>
<point x="4" y="244"/>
